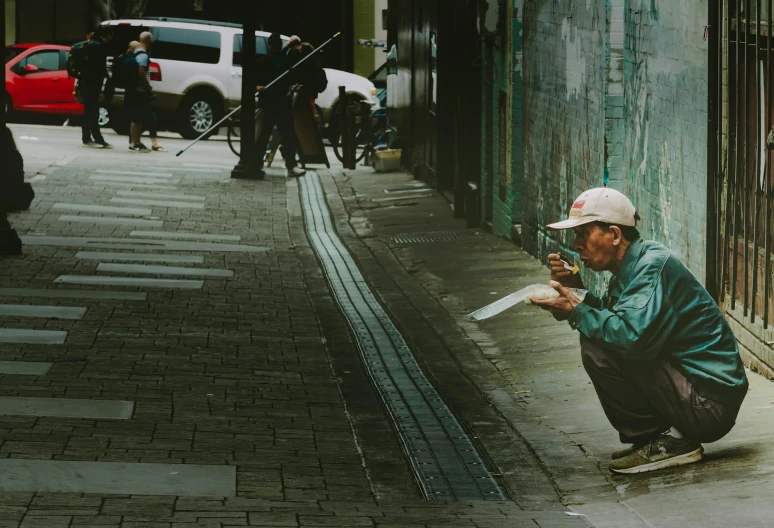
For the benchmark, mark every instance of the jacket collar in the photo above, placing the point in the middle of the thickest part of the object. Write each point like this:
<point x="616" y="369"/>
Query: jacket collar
<point x="629" y="262"/>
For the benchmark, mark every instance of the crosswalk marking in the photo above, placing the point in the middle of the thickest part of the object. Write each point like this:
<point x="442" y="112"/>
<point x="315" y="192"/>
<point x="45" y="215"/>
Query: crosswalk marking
<point x="135" y="185"/>
<point x="108" y="220"/>
<point x="117" y="478"/>
<point x="209" y="166"/>
<point x="158" y="203"/>
<point x="131" y="281"/>
<point x="135" y="173"/>
<point x="129" y="179"/>
<point x="137" y="243"/>
<point x="164" y="270"/>
<point x="53" y="312"/>
<point x="66" y="407"/>
<point x="185" y="169"/>
<point x="25" y="368"/>
<point x="141" y="194"/>
<point x="59" y="293"/>
<point x="190" y="236"/>
<point x="148" y="257"/>
<point x="32" y="337"/>
<point x="87" y="208"/>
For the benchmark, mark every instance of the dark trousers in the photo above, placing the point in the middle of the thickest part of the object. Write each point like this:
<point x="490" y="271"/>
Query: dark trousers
<point x="282" y="118"/>
<point x="90" y="123"/>
<point x="645" y="398"/>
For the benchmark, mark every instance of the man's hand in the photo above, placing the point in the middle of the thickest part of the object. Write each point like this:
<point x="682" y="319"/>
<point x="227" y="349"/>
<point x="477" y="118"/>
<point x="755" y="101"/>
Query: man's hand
<point x="260" y="89"/>
<point x="560" y="307"/>
<point x="297" y="87"/>
<point x="561" y="274"/>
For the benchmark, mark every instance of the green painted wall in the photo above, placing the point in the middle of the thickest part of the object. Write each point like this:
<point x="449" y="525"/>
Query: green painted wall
<point x="502" y="178"/>
<point x="365" y="28"/>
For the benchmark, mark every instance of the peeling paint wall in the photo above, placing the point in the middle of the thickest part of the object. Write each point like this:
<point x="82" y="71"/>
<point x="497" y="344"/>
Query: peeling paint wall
<point x="615" y="91"/>
<point x="564" y="101"/>
<point x="665" y="94"/>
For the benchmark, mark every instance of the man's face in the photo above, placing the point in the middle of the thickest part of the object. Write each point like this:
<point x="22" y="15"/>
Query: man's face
<point x="275" y="46"/>
<point x="107" y="39"/>
<point x="595" y="246"/>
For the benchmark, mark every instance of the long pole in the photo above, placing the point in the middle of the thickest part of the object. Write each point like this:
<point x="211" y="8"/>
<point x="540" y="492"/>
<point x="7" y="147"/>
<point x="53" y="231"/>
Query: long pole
<point x="257" y="94"/>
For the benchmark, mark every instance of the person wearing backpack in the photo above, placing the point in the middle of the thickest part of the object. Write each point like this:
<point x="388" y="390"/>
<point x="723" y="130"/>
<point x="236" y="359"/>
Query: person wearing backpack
<point x="139" y="96"/>
<point x="311" y="77"/>
<point x="87" y="62"/>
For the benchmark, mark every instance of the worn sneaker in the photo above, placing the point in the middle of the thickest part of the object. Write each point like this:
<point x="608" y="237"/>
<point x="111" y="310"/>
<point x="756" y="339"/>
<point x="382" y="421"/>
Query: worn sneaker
<point x="105" y="145"/>
<point x="91" y="144"/>
<point x="663" y="452"/>
<point x="295" y="171"/>
<point x="139" y="148"/>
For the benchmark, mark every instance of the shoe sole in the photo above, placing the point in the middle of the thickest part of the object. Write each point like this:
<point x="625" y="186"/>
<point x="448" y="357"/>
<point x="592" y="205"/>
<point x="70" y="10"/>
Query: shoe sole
<point x="680" y="460"/>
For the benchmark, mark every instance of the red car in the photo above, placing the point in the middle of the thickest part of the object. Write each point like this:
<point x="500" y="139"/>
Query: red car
<point x="36" y="80"/>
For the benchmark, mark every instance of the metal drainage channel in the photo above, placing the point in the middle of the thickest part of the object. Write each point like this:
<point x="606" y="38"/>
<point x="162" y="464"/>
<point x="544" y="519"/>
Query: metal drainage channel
<point x="435" y="236"/>
<point x="444" y="460"/>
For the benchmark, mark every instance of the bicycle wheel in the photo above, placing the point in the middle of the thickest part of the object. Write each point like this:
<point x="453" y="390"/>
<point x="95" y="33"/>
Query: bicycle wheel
<point x="361" y="135"/>
<point x="234" y="137"/>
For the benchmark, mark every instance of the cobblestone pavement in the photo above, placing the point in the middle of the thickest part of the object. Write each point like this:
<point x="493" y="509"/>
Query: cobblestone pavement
<point x="528" y="366"/>
<point x="252" y="379"/>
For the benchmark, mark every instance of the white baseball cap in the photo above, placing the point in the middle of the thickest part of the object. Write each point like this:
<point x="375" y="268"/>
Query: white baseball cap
<point x="599" y="205"/>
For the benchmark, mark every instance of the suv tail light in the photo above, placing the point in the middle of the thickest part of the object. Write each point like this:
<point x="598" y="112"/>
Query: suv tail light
<point x="155" y="71"/>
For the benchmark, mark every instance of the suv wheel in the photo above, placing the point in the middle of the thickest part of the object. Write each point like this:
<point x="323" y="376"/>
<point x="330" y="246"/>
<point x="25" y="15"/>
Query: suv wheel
<point x="8" y="105"/>
<point x="198" y="113"/>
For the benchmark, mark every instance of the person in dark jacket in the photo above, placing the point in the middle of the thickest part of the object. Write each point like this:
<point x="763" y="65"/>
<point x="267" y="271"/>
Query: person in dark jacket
<point x="276" y="103"/>
<point x="15" y="195"/>
<point x="90" y="86"/>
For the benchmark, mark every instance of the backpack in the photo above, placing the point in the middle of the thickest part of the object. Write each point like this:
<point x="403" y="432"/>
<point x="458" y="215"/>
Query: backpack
<point x="125" y="70"/>
<point x="78" y="59"/>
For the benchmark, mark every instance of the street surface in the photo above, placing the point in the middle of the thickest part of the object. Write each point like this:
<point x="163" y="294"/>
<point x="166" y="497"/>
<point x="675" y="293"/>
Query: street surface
<point x="176" y="351"/>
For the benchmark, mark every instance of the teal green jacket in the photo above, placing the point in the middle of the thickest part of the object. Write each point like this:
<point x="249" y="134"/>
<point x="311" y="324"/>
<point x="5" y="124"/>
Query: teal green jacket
<point x="655" y="307"/>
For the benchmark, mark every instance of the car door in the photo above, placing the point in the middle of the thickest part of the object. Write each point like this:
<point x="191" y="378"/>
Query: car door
<point x="40" y="79"/>
<point x="65" y="86"/>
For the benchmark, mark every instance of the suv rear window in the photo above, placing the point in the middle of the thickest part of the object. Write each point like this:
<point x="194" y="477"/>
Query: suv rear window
<point x="261" y="49"/>
<point x="187" y="45"/>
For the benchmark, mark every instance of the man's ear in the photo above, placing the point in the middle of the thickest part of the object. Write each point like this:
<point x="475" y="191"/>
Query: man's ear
<point x="617" y="235"/>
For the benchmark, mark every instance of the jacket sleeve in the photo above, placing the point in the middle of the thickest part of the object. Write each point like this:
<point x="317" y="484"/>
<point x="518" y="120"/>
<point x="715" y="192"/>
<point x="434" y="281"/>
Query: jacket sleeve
<point x="637" y="327"/>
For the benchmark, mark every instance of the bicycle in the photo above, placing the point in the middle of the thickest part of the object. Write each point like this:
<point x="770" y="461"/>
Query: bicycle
<point x="234" y="138"/>
<point x="373" y="132"/>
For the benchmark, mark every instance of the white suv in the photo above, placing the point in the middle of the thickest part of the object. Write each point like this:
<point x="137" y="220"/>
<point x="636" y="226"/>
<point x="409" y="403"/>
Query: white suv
<point x="196" y="72"/>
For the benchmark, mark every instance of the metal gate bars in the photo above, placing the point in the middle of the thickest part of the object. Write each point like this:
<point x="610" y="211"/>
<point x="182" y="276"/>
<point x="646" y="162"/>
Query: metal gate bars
<point x="744" y="116"/>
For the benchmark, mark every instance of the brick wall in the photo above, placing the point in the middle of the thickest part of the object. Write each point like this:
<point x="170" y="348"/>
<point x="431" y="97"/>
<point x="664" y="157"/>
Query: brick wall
<point x="615" y="91"/>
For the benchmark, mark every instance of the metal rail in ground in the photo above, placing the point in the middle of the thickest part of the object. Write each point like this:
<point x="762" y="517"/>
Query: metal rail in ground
<point x="444" y="460"/>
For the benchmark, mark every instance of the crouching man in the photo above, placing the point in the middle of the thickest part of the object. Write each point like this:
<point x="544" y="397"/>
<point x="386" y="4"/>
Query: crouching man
<point x="657" y="348"/>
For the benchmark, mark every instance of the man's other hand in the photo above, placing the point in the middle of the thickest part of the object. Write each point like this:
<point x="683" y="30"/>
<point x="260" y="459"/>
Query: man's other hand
<point x="560" y="307"/>
<point x="260" y="89"/>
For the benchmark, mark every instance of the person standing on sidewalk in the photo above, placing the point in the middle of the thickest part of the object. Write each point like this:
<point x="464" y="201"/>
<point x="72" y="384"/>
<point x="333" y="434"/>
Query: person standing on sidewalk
<point x="276" y="103"/>
<point x="138" y="99"/>
<point x="90" y="82"/>
<point x="662" y="358"/>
